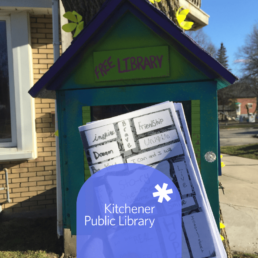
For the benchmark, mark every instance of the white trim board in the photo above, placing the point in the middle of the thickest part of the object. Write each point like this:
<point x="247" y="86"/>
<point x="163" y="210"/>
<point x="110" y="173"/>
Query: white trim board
<point x="26" y="3"/>
<point x="10" y="10"/>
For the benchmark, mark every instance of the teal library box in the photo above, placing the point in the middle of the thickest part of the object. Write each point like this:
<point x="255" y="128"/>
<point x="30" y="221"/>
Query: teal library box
<point x="128" y="57"/>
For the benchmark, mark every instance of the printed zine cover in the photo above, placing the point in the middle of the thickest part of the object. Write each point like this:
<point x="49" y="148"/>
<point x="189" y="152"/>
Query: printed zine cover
<point x="153" y="136"/>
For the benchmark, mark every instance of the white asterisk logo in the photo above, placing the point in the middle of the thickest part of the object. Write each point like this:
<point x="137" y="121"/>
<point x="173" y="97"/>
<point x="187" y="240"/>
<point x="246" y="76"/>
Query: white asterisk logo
<point x="162" y="192"/>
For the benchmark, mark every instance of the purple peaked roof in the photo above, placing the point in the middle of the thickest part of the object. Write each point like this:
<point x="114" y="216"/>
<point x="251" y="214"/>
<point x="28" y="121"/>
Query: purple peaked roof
<point x="45" y="86"/>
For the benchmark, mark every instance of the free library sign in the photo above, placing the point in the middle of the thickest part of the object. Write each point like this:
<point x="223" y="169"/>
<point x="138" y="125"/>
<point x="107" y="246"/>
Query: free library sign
<point x="126" y="64"/>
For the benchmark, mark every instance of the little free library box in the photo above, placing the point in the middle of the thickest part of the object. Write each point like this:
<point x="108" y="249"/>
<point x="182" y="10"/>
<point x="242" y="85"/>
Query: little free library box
<point x="128" y="57"/>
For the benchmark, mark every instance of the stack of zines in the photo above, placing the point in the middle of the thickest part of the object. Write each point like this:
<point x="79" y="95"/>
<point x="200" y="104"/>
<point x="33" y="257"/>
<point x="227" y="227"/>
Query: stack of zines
<point x="158" y="136"/>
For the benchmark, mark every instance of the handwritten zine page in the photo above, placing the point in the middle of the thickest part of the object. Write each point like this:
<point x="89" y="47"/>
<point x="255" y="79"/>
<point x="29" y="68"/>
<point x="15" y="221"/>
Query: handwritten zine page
<point x="153" y="136"/>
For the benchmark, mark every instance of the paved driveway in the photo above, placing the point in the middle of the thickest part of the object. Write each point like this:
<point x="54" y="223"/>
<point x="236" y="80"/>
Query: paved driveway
<point x="234" y="137"/>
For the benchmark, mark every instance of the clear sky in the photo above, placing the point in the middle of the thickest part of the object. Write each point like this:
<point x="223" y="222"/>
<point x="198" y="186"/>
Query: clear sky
<point x="230" y="22"/>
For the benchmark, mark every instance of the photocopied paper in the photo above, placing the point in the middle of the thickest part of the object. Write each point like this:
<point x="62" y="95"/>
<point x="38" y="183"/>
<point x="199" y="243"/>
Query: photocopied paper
<point x="183" y="124"/>
<point x="95" y="168"/>
<point x="103" y="134"/>
<point x="105" y="152"/>
<point x="152" y="122"/>
<point x="158" y="136"/>
<point x="182" y="178"/>
<point x="126" y="135"/>
<point x="198" y="235"/>
<point x="156" y="155"/>
<point x="157" y="139"/>
<point x="188" y="202"/>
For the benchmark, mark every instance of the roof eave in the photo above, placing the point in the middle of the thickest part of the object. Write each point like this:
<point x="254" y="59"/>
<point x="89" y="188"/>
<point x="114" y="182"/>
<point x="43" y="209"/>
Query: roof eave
<point x="224" y="78"/>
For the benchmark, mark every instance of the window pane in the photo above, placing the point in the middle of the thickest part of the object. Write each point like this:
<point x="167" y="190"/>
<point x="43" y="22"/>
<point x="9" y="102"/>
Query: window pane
<point x="5" y="114"/>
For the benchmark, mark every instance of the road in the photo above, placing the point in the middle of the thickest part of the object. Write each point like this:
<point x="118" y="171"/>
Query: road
<point x="238" y="136"/>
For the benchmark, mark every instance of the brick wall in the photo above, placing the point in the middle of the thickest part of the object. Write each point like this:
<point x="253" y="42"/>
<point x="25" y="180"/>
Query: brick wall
<point x="245" y="101"/>
<point x="33" y="183"/>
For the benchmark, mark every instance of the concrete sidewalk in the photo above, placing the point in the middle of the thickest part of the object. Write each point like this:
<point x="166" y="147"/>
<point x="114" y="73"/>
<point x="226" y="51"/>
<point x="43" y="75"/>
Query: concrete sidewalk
<point x="239" y="204"/>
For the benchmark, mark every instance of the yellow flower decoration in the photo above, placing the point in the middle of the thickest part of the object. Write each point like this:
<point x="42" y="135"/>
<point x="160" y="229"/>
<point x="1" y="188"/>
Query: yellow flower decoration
<point x="181" y="19"/>
<point x="76" y="23"/>
<point x="221" y="225"/>
<point x="222" y="163"/>
<point x="152" y="1"/>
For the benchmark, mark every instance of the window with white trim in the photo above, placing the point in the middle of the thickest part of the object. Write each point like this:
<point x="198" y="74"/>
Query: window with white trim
<point x="17" y="108"/>
<point x="7" y="112"/>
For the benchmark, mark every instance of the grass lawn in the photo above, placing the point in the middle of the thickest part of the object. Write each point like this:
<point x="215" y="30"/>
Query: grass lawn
<point x="246" y="151"/>
<point x="244" y="255"/>
<point x="27" y="254"/>
<point x="30" y="238"/>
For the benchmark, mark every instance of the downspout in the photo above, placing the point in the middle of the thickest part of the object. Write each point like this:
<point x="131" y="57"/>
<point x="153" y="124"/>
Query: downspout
<point x="7" y="184"/>
<point x="56" y="43"/>
<point x="6" y="188"/>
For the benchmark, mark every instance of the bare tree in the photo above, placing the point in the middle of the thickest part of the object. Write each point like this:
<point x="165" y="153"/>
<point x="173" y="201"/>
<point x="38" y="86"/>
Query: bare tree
<point x="89" y="8"/>
<point x="203" y="40"/>
<point x="248" y="55"/>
